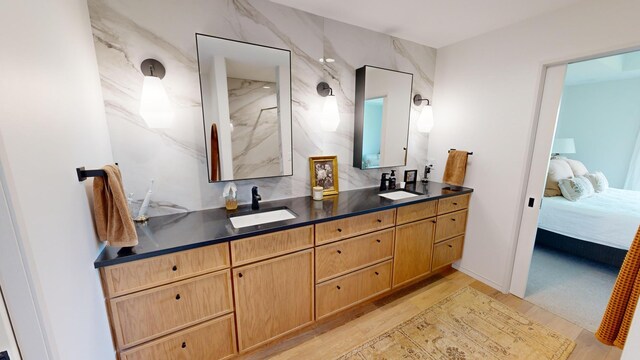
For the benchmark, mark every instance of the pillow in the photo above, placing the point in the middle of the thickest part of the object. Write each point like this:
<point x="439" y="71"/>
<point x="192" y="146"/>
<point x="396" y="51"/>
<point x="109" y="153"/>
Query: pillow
<point x="576" y="188"/>
<point x="598" y="180"/>
<point x="558" y="169"/>
<point x="577" y="167"/>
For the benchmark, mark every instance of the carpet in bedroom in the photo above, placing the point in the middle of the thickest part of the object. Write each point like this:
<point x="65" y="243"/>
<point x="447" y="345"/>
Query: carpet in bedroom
<point x="571" y="287"/>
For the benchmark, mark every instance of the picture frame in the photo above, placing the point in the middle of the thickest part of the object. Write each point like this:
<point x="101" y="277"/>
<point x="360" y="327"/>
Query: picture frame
<point x="410" y="176"/>
<point x="323" y="172"/>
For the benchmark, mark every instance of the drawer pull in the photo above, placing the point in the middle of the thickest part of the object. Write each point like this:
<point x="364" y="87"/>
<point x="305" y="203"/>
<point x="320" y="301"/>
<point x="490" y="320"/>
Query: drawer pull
<point x="453" y="219"/>
<point x="339" y="230"/>
<point x="449" y="245"/>
<point x="377" y="240"/>
<point x="178" y="297"/>
<point x="174" y="268"/>
<point x="433" y="221"/>
<point x="339" y="252"/>
<point x="239" y="275"/>
<point x="184" y="345"/>
<point x="455" y="204"/>
<point x="379" y="220"/>
<point x="338" y="287"/>
<point x="377" y="273"/>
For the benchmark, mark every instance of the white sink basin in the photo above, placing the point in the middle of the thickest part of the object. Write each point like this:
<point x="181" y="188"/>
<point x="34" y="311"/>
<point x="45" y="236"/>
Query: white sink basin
<point x="398" y="195"/>
<point x="260" y="218"/>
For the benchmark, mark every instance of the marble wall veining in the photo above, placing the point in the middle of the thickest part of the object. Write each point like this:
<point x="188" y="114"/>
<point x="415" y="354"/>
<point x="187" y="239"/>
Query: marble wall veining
<point x="127" y="32"/>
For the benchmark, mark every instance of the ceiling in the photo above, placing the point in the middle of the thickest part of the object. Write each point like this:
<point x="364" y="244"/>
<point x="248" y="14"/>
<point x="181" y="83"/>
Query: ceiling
<point x="434" y="23"/>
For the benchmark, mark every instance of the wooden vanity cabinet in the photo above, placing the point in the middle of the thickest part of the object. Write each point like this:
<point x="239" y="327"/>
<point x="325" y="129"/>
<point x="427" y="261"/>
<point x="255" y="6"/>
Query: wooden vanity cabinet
<point x="412" y="257"/>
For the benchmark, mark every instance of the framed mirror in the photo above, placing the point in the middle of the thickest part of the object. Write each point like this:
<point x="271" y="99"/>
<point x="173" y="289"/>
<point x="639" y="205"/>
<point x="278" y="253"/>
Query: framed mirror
<point x="383" y="106"/>
<point x="246" y="106"/>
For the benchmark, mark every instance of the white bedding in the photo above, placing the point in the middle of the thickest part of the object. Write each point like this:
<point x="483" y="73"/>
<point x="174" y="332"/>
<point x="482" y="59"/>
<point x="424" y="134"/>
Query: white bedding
<point x="608" y="218"/>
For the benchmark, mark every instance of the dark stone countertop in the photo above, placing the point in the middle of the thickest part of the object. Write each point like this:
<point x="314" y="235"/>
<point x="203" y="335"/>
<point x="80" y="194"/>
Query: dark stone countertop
<point x="177" y="232"/>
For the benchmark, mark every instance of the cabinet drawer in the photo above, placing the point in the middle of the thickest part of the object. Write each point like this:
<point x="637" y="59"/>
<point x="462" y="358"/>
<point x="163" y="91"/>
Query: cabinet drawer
<point x="337" y="294"/>
<point x="262" y="247"/>
<point x="446" y="252"/>
<point x="213" y="340"/>
<point x="341" y="257"/>
<point x="355" y="225"/>
<point x="151" y="313"/>
<point x="415" y="212"/>
<point x="450" y="225"/>
<point x="453" y="203"/>
<point x="143" y="274"/>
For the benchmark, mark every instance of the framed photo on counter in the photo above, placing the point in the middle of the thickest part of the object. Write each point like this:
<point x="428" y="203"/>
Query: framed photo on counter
<point x="324" y="173"/>
<point x="410" y="176"/>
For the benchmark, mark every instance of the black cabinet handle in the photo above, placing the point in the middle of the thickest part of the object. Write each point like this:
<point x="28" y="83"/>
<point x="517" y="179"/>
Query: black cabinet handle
<point x="378" y="240"/>
<point x="453" y="219"/>
<point x="433" y="221"/>
<point x="379" y="220"/>
<point x="377" y="273"/>
<point x="455" y="203"/>
<point x="339" y="252"/>
<point x="184" y="345"/>
<point x="339" y="230"/>
<point x="338" y="287"/>
<point x="174" y="268"/>
<point x="449" y="245"/>
<point x="178" y="297"/>
<point x="239" y="274"/>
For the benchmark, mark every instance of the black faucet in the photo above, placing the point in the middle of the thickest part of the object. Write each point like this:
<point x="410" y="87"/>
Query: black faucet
<point x="384" y="182"/>
<point x="255" y="197"/>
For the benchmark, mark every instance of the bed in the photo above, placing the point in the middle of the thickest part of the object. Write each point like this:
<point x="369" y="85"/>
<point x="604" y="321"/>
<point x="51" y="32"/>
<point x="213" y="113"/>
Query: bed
<point x="600" y="227"/>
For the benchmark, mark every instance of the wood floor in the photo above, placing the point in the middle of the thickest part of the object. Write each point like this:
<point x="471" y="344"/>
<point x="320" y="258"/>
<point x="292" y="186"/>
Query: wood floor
<point x="336" y="336"/>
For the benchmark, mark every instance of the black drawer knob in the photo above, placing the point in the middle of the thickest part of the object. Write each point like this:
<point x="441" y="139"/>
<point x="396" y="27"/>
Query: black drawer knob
<point x="453" y="219"/>
<point x="339" y="230"/>
<point x="377" y="273"/>
<point x="378" y="240"/>
<point x="178" y="297"/>
<point x="433" y="221"/>
<point x="449" y="245"/>
<point x="184" y="345"/>
<point x="455" y="203"/>
<point x="239" y="275"/>
<point x="379" y="220"/>
<point x="339" y="252"/>
<point x="174" y="268"/>
<point x="338" y="287"/>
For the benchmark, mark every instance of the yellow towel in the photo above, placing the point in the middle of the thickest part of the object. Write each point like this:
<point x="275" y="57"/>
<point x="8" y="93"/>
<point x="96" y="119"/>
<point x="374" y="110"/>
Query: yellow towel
<point x="617" y="318"/>
<point x="456" y="168"/>
<point x="113" y="222"/>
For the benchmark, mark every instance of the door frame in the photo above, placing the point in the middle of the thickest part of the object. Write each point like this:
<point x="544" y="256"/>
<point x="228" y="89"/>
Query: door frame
<point x="525" y="241"/>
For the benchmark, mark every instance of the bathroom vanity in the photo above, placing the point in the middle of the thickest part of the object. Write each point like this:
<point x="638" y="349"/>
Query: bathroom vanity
<point x="196" y="287"/>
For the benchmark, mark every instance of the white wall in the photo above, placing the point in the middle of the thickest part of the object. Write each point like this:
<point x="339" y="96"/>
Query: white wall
<point x="632" y="345"/>
<point x="485" y="102"/>
<point x="52" y="121"/>
<point x="604" y="120"/>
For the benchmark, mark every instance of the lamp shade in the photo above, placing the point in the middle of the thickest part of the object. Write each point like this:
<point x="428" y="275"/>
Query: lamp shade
<point x="155" y="107"/>
<point x="425" y="121"/>
<point x="563" y="146"/>
<point x="330" y="114"/>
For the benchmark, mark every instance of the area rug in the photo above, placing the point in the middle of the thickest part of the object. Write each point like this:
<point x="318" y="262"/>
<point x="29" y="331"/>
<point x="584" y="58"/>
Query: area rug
<point x="466" y="325"/>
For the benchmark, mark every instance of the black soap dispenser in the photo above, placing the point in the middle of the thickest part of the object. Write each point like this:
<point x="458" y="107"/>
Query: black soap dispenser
<point x="392" y="180"/>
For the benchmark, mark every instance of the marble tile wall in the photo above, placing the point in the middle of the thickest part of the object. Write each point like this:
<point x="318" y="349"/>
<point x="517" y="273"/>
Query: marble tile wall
<point x="127" y="32"/>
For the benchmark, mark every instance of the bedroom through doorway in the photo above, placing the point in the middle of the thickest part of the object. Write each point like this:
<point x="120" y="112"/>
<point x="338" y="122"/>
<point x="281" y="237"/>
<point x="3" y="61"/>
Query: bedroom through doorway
<point x="590" y="210"/>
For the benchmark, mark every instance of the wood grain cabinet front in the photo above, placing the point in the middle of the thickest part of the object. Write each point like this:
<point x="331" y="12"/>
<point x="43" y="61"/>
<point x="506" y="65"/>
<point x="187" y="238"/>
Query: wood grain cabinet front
<point x="355" y="225"/>
<point x="273" y="297"/>
<point x="450" y="225"/>
<point x="344" y="256"/>
<point x="412" y="257"/>
<point x="148" y="314"/>
<point x="143" y="274"/>
<point x="446" y="252"/>
<point x="419" y="211"/>
<point x="266" y="246"/>
<point x="212" y="340"/>
<point x="453" y="203"/>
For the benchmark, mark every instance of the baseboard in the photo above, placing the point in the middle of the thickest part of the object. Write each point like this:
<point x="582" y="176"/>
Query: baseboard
<point x="481" y="278"/>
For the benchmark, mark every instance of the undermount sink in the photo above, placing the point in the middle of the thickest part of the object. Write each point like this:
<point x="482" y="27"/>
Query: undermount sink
<point x="398" y="195"/>
<point x="262" y="217"/>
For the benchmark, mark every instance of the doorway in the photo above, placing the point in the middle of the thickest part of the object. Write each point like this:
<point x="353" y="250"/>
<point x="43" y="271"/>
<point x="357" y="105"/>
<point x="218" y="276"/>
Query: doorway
<point x="588" y="128"/>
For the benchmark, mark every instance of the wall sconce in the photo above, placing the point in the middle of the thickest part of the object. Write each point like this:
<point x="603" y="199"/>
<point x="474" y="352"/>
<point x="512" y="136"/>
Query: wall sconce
<point x="330" y="114"/>
<point x="155" y="108"/>
<point x="425" y="121"/>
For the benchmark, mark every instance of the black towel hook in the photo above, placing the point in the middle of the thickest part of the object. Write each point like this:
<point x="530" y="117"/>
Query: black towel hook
<point x="468" y="153"/>
<point x="84" y="174"/>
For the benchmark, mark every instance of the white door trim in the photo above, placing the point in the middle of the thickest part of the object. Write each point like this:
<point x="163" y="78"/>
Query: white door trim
<point x="16" y="280"/>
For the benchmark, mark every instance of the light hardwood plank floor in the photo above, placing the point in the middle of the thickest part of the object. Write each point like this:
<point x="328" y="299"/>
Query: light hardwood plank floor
<point x="331" y="338"/>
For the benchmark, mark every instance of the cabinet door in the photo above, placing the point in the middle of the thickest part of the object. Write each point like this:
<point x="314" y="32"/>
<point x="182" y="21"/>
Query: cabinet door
<point x="273" y="297"/>
<point x="413" y="250"/>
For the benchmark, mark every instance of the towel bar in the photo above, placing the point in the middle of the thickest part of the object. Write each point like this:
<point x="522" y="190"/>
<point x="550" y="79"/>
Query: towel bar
<point x="84" y="174"/>
<point x="468" y="153"/>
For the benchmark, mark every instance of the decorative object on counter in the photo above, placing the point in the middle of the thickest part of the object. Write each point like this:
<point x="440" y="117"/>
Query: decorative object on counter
<point x="410" y="176"/>
<point x="425" y="120"/>
<point x="384" y="181"/>
<point x="111" y="212"/>
<point x="155" y="107"/>
<point x="230" y="195"/>
<point x="317" y="192"/>
<point x="381" y="122"/>
<point x="255" y="198"/>
<point x="324" y="173"/>
<point x="427" y="172"/>
<point x="456" y="167"/>
<point x="392" y="180"/>
<point x="142" y="213"/>
<point x="330" y="113"/>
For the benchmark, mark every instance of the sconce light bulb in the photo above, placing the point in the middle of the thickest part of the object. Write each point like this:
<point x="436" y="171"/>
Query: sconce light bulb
<point x="155" y="108"/>
<point x="425" y="121"/>
<point x="330" y="114"/>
